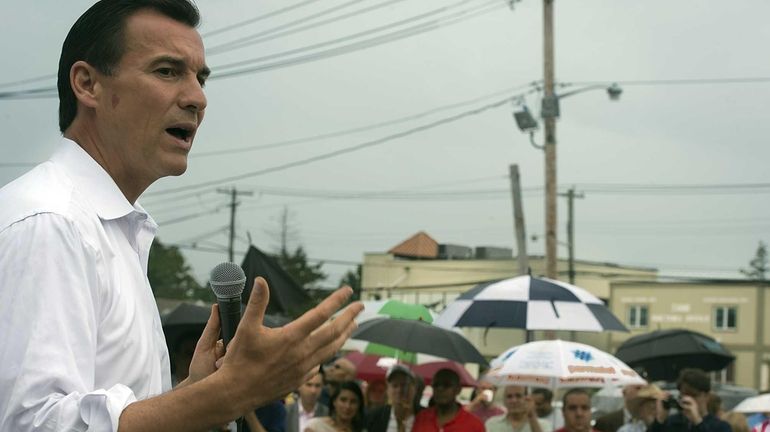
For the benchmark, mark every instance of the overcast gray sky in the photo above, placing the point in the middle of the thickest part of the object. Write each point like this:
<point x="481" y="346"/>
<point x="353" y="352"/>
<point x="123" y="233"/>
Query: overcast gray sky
<point x="659" y="134"/>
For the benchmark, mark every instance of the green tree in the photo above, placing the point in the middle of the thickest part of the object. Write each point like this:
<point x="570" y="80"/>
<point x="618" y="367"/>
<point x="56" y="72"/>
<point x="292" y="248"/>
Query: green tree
<point x="758" y="266"/>
<point x="170" y="276"/>
<point x="353" y="280"/>
<point x="297" y="265"/>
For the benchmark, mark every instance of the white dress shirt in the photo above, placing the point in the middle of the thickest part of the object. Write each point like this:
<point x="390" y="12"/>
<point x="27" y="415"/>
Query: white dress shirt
<point x="393" y="423"/>
<point x="304" y="416"/>
<point x="80" y="335"/>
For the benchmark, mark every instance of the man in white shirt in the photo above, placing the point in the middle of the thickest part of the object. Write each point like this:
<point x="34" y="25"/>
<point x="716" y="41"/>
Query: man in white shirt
<point x="83" y="347"/>
<point x="307" y="407"/>
<point x="521" y="415"/>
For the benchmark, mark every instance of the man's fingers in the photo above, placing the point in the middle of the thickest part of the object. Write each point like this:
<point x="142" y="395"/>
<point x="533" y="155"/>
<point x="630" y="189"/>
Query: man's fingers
<point x="254" y="314"/>
<point x="211" y="331"/>
<point x="315" y="317"/>
<point x="327" y="340"/>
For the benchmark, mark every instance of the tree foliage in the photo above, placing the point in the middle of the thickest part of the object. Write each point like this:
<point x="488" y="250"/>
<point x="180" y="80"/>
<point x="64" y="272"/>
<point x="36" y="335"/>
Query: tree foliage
<point x="170" y="276"/>
<point x="296" y="264"/>
<point x="353" y="280"/>
<point x="758" y="266"/>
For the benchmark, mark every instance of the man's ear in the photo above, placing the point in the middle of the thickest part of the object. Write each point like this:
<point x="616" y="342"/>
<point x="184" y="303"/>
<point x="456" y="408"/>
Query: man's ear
<point x="84" y="80"/>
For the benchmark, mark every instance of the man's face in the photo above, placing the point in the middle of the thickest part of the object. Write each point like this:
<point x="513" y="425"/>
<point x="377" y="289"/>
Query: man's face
<point x="445" y="389"/>
<point x="151" y="106"/>
<point x="310" y="390"/>
<point x="577" y="412"/>
<point x="341" y="370"/>
<point x="401" y="389"/>
<point x="630" y="392"/>
<point x="542" y="405"/>
<point x="514" y="398"/>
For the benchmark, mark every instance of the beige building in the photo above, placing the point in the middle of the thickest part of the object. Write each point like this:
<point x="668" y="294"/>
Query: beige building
<point x="421" y="271"/>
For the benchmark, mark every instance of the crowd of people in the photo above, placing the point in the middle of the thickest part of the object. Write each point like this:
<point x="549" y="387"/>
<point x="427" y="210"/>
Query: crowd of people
<point x="83" y="347"/>
<point x="646" y="408"/>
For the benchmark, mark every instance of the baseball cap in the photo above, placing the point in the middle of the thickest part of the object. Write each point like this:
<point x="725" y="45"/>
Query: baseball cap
<point x="399" y="368"/>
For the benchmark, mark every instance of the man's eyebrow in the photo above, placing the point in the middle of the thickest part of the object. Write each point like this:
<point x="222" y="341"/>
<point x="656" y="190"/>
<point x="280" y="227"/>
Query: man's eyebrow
<point x="203" y="73"/>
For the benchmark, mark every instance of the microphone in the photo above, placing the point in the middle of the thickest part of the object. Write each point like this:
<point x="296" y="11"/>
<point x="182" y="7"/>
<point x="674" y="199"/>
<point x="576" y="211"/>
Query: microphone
<point x="227" y="281"/>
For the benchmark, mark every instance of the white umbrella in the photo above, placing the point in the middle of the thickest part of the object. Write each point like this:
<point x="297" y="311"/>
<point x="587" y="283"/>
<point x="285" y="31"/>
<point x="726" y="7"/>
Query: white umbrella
<point x="754" y="404"/>
<point x="530" y="303"/>
<point x="560" y="364"/>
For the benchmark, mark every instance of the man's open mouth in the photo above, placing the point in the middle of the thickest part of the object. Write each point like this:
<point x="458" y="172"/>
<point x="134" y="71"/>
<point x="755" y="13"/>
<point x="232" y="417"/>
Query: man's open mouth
<point x="181" y="133"/>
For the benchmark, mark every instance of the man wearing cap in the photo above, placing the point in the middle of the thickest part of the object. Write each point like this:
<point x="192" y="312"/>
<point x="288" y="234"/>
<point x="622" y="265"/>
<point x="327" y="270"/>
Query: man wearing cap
<point x="446" y="415"/>
<point x="642" y="409"/>
<point x="398" y="414"/>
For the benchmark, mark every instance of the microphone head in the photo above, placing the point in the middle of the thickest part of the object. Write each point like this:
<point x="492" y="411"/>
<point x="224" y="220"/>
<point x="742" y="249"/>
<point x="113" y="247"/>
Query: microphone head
<point x="227" y="280"/>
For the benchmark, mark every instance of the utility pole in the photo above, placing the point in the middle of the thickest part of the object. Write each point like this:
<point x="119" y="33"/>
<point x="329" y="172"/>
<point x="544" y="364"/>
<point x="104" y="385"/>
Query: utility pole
<point x="518" y="221"/>
<point x="233" y="204"/>
<point x="550" y="111"/>
<point x="571" y="195"/>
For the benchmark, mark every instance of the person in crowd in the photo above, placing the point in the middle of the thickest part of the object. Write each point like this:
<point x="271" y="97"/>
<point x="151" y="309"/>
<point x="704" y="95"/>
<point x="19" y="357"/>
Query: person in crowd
<point x="576" y="409"/>
<point x="612" y="421"/>
<point x="714" y="405"/>
<point x="336" y="372"/>
<point x="376" y="394"/>
<point x="692" y="415"/>
<point x="737" y="421"/>
<point x="267" y="418"/>
<point x="398" y="415"/>
<point x="482" y="403"/>
<point x="521" y="415"/>
<point x="642" y="408"/>
<point x="761" y="427"/>
<point x="446" y="415"/>
<point x="83" y="347"/>
<point x="543" y="399"/>
<point x="307" y="405"/>
<point x="346" y="413"/>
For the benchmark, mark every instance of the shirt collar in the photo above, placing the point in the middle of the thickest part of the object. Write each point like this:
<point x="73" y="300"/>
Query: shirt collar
<point x="103" y="194"/>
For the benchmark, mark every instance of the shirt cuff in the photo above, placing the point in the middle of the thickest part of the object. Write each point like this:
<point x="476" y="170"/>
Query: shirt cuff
<point x="101" y="409"/>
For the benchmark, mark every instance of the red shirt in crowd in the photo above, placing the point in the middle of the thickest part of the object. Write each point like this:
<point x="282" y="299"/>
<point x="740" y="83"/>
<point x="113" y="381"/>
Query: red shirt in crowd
<point x="463" y="421"/>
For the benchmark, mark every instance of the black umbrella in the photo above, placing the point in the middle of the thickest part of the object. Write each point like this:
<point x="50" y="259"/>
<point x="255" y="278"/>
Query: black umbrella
<point x="419" y="337"/>
<point x="661" y="354"/>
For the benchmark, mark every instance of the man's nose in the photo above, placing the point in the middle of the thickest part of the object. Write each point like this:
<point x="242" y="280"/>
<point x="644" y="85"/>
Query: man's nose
<point x="193" y="98"/>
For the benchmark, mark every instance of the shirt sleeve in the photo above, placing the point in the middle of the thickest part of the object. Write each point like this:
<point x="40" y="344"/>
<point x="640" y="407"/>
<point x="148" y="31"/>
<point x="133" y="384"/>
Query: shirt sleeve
<point x="50" y="283"/>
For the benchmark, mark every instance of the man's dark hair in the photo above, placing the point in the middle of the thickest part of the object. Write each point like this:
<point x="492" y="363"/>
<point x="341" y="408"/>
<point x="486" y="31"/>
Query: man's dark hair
<point x="547" y="394"/>
<point x="450" y="374"/>
<point x="571" y="392"/>
<point x="694" y="378"/>
<point x="97" y="37"/>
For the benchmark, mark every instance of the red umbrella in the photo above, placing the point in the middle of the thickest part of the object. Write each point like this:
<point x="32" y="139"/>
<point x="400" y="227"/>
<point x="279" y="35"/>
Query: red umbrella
<point x="370" y="367"/>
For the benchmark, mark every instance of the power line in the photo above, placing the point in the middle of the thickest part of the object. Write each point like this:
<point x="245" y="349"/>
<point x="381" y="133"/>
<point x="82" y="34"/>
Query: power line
<point x="365" y="128"/>
<point x="683" y="81"/>
<point x="275" y="32"/>
<point x="356" y="46"/>
<point x="339" y="152"/>
<point x="258" y="18"/>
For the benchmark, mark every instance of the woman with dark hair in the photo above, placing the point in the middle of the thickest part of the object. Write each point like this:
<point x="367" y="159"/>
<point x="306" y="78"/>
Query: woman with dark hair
<point x="346" y="411"/>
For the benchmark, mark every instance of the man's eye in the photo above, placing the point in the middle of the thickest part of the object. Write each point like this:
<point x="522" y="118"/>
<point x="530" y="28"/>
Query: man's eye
<point x="166" y="72"/>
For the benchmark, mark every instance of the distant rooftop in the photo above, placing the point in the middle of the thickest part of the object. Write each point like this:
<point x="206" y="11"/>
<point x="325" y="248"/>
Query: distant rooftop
<point x="420" y="245"/>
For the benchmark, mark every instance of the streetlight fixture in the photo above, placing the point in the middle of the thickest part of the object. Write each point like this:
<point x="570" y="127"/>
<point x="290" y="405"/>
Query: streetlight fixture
<point x="550" y="111"/>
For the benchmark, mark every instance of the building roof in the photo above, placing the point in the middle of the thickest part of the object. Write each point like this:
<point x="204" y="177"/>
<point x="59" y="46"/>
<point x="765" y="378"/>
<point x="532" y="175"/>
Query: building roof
<point x="420" y="245"/>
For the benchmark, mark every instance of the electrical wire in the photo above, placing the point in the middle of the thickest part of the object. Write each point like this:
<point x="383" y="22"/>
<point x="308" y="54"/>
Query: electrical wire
<point x="258" y="18"/>
<point x="339" y="152"/>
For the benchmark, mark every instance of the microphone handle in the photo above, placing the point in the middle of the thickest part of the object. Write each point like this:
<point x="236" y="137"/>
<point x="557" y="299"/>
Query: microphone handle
<point x="229" y="317"/>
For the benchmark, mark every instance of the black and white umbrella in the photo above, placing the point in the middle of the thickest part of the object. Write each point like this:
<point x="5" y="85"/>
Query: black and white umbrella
<point x="529" y="303"/>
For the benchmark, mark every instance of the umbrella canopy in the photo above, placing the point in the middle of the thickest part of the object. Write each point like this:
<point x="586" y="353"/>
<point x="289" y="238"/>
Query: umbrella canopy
<point x="560" y="364"/>
<point x="663" y="353"/>
<point x="371" y="367"/>
<point x="392" y="309"/>
<point x="754" y="404"/>
<point x="526" y="302"/>
<point x="418" y="337"/>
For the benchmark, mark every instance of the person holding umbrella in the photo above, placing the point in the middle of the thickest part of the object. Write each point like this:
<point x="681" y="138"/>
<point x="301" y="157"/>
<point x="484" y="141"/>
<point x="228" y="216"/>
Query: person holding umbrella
<point x="446" y="415"/>
<point x="694" y="387"/>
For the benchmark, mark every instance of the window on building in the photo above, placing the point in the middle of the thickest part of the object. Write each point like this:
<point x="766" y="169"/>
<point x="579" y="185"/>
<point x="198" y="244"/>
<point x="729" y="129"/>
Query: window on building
<point x="637" y="316"/>
<point x="725" y="376"/>
<point x="725" y="317"/>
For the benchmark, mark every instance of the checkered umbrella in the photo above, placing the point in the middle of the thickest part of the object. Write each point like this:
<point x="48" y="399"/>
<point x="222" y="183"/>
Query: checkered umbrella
<point x="530" y="303"/>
